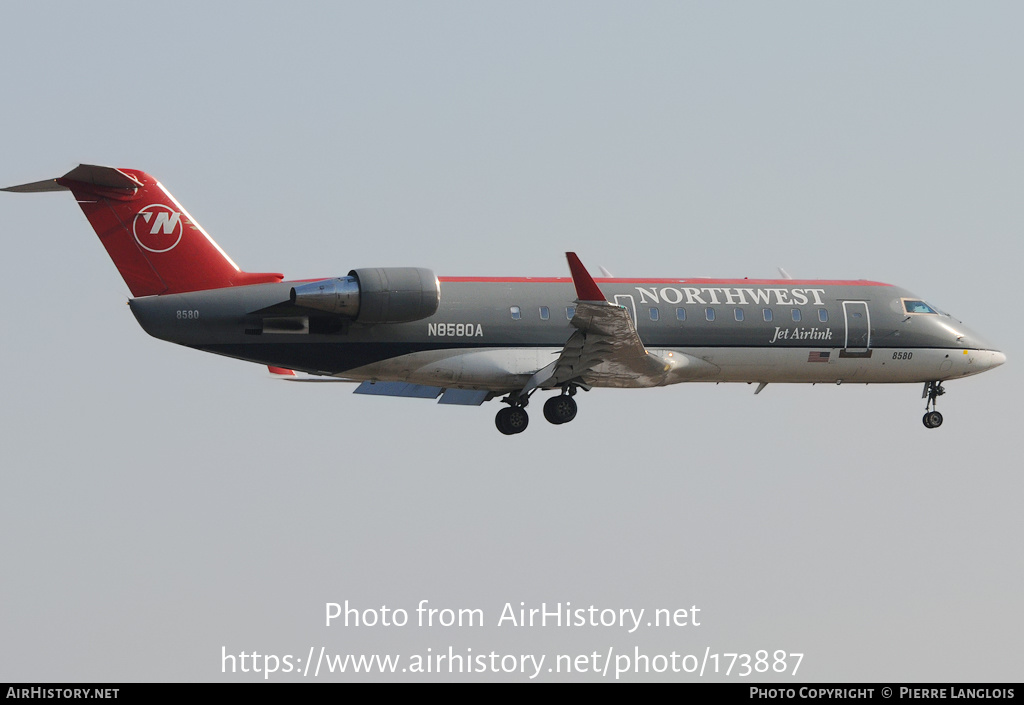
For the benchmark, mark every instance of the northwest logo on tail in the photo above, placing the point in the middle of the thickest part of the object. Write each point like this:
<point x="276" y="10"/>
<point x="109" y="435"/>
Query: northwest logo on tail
<point x="157" y="228"/>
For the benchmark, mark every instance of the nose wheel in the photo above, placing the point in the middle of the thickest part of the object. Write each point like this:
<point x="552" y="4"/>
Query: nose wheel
<point x="932" y="391"/>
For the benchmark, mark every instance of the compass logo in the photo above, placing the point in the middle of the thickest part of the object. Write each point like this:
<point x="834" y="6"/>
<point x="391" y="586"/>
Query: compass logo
<point x="157" y="228"/>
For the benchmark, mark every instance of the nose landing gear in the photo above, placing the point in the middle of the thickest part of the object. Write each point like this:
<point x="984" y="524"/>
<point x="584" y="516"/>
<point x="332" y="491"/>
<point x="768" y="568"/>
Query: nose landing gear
<point x="932" y="391"/>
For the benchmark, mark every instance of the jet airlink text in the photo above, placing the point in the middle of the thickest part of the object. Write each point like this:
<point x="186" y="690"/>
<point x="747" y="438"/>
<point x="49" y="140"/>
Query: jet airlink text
<point x="801" y="334"/>
<point x="714" y="295"/>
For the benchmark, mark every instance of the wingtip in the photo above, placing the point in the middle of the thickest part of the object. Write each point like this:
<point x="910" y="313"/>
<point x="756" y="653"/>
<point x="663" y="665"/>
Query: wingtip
<point x="586" y="288"/>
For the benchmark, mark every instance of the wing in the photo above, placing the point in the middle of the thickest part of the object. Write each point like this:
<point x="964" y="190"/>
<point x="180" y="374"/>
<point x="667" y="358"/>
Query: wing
<point x="605" y="345"/>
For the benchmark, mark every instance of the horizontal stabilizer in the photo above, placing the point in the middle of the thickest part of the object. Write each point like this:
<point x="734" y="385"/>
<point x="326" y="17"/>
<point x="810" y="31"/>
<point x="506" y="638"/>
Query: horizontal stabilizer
<point x="102" y="177"/>
<point x="36" y="187"/>
<point x="398" y="389"/>
<point x="89" y="174"/>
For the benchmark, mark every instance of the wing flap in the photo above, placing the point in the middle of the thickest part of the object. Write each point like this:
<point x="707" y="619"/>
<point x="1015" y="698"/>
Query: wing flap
<point x="398" y="389"/>
<point x="457" y="397"/>
<point x="464" y="397"/>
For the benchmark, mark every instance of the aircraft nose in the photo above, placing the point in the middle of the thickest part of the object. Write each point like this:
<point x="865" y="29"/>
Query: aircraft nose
<point x="996" y="358"/>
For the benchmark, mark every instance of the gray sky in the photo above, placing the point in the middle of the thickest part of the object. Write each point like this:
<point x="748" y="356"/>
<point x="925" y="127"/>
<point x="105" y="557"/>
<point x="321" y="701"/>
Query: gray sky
<point x="158" y="504"/>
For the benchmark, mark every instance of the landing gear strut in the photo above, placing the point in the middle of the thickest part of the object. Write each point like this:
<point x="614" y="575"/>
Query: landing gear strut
<point x="932" y="391"/>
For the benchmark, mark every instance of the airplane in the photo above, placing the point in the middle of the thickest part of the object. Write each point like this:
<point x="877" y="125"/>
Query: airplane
<point x="404" y="332"/>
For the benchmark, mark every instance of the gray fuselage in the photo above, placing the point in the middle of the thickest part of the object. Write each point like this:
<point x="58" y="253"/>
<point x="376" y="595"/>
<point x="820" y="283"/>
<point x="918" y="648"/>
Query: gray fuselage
<point x="495" y="333"/>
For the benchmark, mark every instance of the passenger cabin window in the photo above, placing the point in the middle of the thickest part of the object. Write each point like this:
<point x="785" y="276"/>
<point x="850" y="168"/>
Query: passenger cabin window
<point x="517" y="313"/>
<point x="545" y="313"/>
<point x="917" y="306"/>
<point x="796" y="314"/>
<point x="709" y="313"/>
<point x="823" y="315"/>
<point x="655" y="313"/>
<point x="680" y="314"/>
<point x="767" y="313"/>
<point x="570" y="311"/>
<point x="737" y="314"/>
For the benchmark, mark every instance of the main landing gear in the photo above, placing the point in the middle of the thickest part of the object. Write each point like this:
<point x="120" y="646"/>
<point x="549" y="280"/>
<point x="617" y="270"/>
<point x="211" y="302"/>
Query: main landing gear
<point x="558" y="410"/>
<point x="561" y="409"/>
<point x="932" y="418"/>
<point x="512" y="419"/>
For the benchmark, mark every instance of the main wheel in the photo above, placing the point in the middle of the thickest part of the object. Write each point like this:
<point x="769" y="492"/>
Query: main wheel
<point x="932" y="419"/>
<point x="560" y="409"/>
<point x="512" y="420"/>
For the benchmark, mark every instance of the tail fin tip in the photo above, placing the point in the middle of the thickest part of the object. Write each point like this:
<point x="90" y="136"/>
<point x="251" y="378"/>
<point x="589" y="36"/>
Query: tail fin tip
<point x="154" y="242"/>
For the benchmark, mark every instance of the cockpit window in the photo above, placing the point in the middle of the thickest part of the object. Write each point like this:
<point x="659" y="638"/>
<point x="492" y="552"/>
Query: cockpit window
<point x="917" y="306"/>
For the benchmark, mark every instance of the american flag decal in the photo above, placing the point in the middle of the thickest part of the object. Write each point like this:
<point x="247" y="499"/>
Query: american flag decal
<point x="818" y="357"/>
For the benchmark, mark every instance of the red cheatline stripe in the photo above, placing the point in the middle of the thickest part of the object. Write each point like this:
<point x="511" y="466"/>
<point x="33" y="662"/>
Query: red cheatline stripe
<point x="784" y="283"/>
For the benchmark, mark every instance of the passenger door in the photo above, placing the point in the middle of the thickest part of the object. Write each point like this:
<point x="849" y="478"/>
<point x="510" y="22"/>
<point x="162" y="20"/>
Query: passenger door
<point x="858" y="327"/>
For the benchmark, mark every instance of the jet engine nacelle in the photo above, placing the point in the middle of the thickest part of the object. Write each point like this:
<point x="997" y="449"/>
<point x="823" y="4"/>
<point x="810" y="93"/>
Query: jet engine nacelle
<point x="374" y="295"/>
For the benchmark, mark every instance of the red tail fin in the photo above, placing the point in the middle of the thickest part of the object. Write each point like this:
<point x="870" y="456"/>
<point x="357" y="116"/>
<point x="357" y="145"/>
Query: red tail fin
<point x="155" y="244"/>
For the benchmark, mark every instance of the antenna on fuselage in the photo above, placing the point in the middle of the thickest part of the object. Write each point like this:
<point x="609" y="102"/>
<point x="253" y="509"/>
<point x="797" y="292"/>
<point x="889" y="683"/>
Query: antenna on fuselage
<point x="784" y="273"/>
